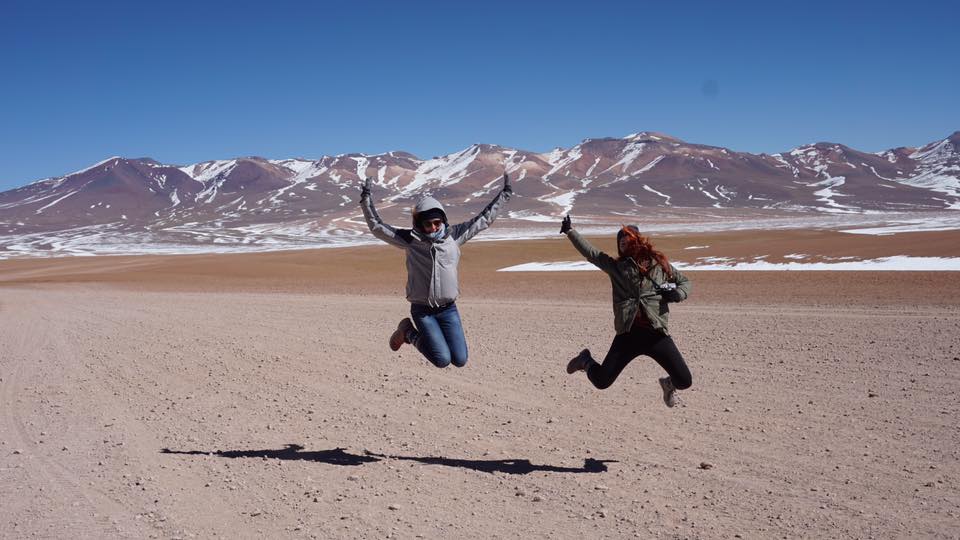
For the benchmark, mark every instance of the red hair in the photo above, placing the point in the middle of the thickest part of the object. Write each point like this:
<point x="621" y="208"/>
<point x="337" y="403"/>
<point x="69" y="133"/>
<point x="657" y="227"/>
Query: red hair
<point x="639" y="248"/>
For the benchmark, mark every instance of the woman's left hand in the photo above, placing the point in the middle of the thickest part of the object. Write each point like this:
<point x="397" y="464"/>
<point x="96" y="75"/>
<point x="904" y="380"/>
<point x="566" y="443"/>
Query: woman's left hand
<point x="506" y="184"/>
<point x="670" y="294"/>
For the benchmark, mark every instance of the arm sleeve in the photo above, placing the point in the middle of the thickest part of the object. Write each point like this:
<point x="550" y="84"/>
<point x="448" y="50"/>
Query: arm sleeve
<point x="468" y="229"/>
<point x="596" y="257"/>
<point x="380" y="229"/>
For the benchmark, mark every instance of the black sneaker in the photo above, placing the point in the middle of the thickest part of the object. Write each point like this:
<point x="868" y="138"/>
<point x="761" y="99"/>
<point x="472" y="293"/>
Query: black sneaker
<point x="579" y="362"/>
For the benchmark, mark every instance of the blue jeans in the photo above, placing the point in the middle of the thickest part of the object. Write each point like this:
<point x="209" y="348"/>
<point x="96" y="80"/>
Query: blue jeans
<point x="439" y="334"/>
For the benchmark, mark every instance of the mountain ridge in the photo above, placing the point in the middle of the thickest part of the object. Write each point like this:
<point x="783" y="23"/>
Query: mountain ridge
<point x="597" y="177"/>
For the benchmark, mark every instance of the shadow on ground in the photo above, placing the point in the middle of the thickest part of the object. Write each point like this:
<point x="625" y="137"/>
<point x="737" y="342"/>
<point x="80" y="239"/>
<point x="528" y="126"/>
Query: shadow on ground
<point x="509" y="466"/>
<point x="339" y="456"/>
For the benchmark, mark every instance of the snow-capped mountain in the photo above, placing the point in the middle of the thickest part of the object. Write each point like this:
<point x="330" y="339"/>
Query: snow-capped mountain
<point x="258" y="201"/>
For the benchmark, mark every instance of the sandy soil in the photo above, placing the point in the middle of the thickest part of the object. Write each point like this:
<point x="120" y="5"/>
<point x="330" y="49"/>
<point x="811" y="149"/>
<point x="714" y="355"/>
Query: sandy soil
<point x="252" y="396"/>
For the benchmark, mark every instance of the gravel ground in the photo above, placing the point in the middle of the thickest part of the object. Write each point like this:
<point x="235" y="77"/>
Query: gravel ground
<point x="157" y="410"/>
<point x="251" y="396"/>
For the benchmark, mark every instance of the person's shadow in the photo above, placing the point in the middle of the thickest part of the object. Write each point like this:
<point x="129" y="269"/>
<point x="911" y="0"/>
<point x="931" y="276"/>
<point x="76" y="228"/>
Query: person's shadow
<point x="339" y="456"/>
<point x="509" y="466"/>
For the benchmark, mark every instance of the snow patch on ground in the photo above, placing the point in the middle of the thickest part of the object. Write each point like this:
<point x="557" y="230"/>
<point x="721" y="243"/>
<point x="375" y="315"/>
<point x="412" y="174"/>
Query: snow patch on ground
<point x="945" y="223"/>
<point x="564" y="200"/>
<point x="898" y="263"/>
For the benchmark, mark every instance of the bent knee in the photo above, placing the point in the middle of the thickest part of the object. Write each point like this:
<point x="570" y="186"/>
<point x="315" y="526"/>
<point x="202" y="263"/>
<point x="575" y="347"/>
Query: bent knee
<point x="601" y="385"/>
<point x="440" y="360"/>
<point x="458" y="361"/>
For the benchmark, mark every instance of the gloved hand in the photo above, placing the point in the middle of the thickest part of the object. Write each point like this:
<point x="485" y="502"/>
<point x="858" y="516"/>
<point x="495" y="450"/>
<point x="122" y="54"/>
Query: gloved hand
<point x="565" y="225"/>
<point x="506" y="184"/>
<point x="365" y="188"/>
<point x="669" y="293"/>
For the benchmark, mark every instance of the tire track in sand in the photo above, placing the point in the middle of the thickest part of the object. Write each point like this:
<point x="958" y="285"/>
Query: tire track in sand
<point x="32" y="343"/>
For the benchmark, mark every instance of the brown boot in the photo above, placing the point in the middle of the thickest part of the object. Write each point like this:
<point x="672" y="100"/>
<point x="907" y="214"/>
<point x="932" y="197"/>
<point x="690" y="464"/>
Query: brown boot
<point x="579" y="362"/>
<point x="399" y="336"/>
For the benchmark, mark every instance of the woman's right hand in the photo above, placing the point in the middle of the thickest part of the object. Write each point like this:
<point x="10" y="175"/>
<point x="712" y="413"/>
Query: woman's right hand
<point x="565" y="225"/>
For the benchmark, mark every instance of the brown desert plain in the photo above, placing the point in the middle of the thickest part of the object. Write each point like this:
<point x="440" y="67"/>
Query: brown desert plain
<point x="254" y="396"/>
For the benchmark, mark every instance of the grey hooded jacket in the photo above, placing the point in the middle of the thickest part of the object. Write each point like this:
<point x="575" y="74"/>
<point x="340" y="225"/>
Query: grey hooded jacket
<point x="431" y="264"/>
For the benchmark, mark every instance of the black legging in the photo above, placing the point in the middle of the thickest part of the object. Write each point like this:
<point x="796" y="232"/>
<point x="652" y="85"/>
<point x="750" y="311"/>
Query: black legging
<point x="640" y="340"/>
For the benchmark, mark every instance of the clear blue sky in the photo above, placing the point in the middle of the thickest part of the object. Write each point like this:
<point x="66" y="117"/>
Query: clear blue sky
<point x="188" y="81"/>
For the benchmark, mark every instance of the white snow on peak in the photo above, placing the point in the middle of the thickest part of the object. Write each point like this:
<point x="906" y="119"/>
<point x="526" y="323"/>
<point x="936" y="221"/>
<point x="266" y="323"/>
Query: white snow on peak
<point x="447" y="169"/>
<point x="786" y="164"/>
<point x="362" y="163"/>
<point x="510" y="161"/>
<point x="592" y="167"/>
<point x="650" y="165"/>
<point x="95" y="165"/>
<point x="938" y="151"/>
<point x="944" y="180"/>
<point x="938" y="170"/>
<point x="559" y="158"/>
<point x="207" y="170"/>
<point x="655" y="192"/>
<point x="212" y="174"/>
<point x="804" y="151"/>
<point x="302" y="169"/>
<point x="54" y="182"/>
<point x="642" y="135"/>
<point x="628" y="155"/>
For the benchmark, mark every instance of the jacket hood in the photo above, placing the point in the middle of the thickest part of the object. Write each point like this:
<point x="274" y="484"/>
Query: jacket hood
<point x="425" y="204"/>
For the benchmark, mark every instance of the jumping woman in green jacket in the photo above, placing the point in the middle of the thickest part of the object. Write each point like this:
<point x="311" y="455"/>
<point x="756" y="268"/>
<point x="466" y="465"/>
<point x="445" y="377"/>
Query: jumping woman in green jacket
<point x="644" y="283"/>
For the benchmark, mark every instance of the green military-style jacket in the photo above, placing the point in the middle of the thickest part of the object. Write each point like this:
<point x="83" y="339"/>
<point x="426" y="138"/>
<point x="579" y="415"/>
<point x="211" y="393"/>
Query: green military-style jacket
<point x="631" y="289"/>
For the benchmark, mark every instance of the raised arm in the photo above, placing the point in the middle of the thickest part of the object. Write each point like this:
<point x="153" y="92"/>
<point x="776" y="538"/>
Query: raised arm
<point x="468" y="229"/>
<point x="379" y="229"/>
<point x="596" y="257"/>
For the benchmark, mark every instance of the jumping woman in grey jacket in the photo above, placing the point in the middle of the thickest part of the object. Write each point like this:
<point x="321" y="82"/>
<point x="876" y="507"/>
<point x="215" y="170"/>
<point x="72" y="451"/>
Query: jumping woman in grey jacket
<point x="433" y="255"/>
<point x="644" y="283"/>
